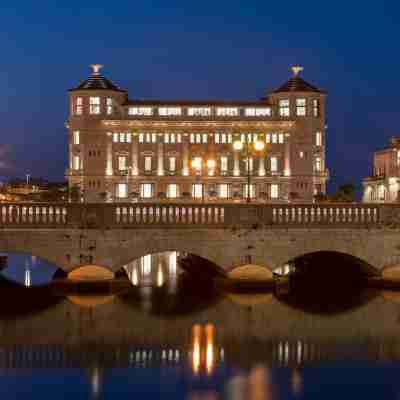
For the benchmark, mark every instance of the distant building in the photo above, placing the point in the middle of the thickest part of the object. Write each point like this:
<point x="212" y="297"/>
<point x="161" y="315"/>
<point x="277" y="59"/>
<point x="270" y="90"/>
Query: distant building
<point x="384" y="184"/>
<point x="122" y="149"/>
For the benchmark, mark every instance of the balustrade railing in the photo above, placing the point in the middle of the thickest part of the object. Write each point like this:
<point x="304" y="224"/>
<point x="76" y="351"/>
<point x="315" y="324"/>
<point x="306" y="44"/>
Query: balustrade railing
<point x="77" y="215"/>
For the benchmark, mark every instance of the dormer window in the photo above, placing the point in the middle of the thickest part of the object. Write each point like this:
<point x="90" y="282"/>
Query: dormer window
<point x="76" y="138"/>
<point x="315" y="103"/>
<point x="199" y="111"/>
<point x="109" y="105"/>
<point x="301" y="107"/>
<point x="94" y="105"/>
<point x="142" y="111"/>
<point x="169" y="111"/>
<point x="258" y="112"/>
<point x="227" y="111"/>
<point x="284" y="108"/>
<point x="79" y="106"/>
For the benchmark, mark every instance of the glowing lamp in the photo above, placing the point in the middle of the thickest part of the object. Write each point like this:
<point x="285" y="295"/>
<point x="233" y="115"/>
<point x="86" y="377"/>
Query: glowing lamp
<point x="238" y="145"/>
<point x="259" y="145"/>
<point x="211" y="163"/>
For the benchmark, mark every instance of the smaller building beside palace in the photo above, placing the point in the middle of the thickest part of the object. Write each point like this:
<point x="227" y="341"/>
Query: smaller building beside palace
<point x="384" y="184"/>
<point x="127" y="149"/>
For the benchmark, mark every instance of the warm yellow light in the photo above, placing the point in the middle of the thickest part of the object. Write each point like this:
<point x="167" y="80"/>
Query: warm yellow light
<point x="196" y="163"/>
<point x="238" y="145"/>
<point x="259" y="145"/>
<point x="211" y="163"/>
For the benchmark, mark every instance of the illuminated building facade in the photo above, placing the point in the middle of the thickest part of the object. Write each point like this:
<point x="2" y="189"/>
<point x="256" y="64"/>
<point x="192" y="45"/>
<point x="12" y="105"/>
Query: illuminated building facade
<point x="123" y="149"/>
<point x="384" y="185"/>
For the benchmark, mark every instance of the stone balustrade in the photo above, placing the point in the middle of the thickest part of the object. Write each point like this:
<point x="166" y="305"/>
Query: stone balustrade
<point x="78" y="215"/>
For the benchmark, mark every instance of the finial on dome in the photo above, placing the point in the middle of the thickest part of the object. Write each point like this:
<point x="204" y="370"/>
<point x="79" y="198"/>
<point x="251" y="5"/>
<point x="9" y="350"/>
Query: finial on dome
<point x="96" y="68"/>
<point x="297" y="69"/>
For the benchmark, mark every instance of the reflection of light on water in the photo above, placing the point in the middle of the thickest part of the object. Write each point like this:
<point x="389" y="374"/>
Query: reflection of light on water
<point x="297" y="382"/>
<point x="134" y="277"/>
<point x="95" y="382"/>
<point x="160" y="276"/>
<point x="236" y="388"/>
<point x="210" y="348"/>
<point x="196" y="349"/>
<point x="28" y="281"/>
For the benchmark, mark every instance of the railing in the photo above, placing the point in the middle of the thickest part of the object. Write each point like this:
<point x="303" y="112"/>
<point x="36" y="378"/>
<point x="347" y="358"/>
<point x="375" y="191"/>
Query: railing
<point x="78" y="215"/>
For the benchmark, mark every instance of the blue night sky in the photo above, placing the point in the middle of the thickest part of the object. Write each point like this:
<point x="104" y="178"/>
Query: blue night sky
<point x="208" y="49"/>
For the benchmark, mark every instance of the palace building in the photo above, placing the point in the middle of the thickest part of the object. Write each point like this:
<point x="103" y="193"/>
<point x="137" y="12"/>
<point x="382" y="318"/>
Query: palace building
<point x="126" y="149"/>
<point x="384" y="185"/>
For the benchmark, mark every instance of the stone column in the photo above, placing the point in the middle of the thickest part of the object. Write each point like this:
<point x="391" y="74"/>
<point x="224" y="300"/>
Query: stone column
<point x="185" y="154"/>
<point x="287" y="171"/>
<point x="109" y="167"/>
<point x="135" y="155"/>
<point x="160" y="155"/>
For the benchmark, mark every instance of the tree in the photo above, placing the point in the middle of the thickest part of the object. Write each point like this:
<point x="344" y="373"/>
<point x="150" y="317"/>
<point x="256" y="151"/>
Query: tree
<point x="345" y="193"/>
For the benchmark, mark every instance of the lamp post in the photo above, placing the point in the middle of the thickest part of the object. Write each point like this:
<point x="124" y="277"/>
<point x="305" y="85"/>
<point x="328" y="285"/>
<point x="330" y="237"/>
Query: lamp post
<point x="257" y="146"/>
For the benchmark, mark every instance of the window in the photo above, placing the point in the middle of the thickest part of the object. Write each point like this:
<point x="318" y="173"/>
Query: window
<point x="227" y="112"/>
<point x="274" y="164"/>
<point x="315" y="103"/>
<point x="75" y="135"/>
<point x="122" y="137"/>
<point x="252" y="191"/>
<point x="172" y="164"/>
<point x="146" y="190"/>
<point x="281" y="138"/>
<point x="318" y="164"/>
<point x="197" y="190"/>
<point x="268" y="138"/>
<point x="205" y="137"/>
<point x="301" y="107"/>
<point x="115" y="137"/>
<point x="284" y="110"/>
<point x="216" y="138"/>
<point x="141" y="111"/>
<point x="147" y="164"/>
<point x="128" y="137"/>
<point x="172" y="191"/>
<point x="199" y="111"/>
<point x="141" y="137"/>
<point x="274" y="191"/>
<point x="94" y="105"/>
<point x="258" y="112"/>
<point x="223" y="190"/>
<point x="146" y="265"/>
<point x="301" y="154"/>
<point x="197" y="164"/>
<point x="274" y="138"/>
<point x="249" y="164"/>
<point x="169" y="111"/>
<point x="224" y="164"/>
<point x="109" y="103"/>
<point x="79" y="106"/>
<point x="122" y="163"/>
<point x="76" y="162"/>
<point x="122" y="190"/>
<point x="154" y="138"/>
<point x="318" y="139"/>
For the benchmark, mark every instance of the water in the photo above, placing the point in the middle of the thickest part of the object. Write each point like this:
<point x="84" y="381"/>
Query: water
<point x="176" y="338"/>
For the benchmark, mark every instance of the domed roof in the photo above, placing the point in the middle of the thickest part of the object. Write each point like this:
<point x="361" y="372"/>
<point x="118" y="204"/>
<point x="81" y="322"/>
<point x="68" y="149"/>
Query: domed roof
<point x="297" y="84"/>
<point x="96" y="81"/>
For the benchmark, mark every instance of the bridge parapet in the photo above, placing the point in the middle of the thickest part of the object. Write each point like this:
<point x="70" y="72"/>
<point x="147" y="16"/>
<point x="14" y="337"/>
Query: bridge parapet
<point x="98" y="216"/>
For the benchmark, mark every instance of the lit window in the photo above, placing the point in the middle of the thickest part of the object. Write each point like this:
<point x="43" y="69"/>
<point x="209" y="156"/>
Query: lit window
<point x="172" y="191"/>
<point x="141" y="111"/>
<point x="198" y="137"/>
<point x="301" y="107"/>
<point x="179" y="138"/>
<point x="252" y="191"/>
<point x="223" y="191"/>
<point x="154" y="138"/>
<point x="224" y="164"/>
<point x="284" y="110"/>
<point x="229" y="138"/>
<point x="318" y="139"/>
<point x="301" y="154"/>
<point x="274" y="191"/>
<point x="249" y="164"/>
<point x="258" y="112"/>
<point x="79" y="106"/>
<point x="318" y="164"/>
<point x="192" y="138"/>
<point x="146" y="265"/>
<point x="128" y="138"/>
<point x="268" y="138"/>
<point x="146" y="190"/>
<point x="205" y="137"/>
<point x="94" y="105"/>
<point x="274" y="138"/>
<point x="141" y="137"/>
<point x="168" y="111"/>
<point x="197" y="190"/>
<point x="122" y="190"/>
<point x="122" y="137"/>
<point x="274" y="164"/>
<point x="147" y="164"/>
<point x="227" y="112"/>
<point x="122" y="163"/>
<point x="199" y="111"/>
<point x="172" y="137"/>
<point x="216" y="138"/>
<point x="315" y="107"/>
<point x="76" y="163"/>
<point x="172" y="164"/>
<point x="109" y="105"/>
<point x="115" y="137"/>
<point x="281" y="138"/>
<point x="76" y="137"/>
<point x="197" y="164"/>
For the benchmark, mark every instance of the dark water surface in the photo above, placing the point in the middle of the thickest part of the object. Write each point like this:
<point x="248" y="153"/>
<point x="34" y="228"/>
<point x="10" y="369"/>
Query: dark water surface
<point x="173" y="338"/>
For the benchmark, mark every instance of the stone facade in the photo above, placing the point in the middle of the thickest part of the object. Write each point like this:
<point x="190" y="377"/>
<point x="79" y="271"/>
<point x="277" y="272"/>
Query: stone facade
<point x="384" y="185"/>
<point x="128" y="150"/>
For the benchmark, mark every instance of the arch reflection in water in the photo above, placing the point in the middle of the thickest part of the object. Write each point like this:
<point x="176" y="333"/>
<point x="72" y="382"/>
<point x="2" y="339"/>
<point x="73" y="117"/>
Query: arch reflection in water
<point x="157" y="269"/>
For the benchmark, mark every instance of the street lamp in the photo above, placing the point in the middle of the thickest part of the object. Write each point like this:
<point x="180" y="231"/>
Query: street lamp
<point x="257" y="146"/>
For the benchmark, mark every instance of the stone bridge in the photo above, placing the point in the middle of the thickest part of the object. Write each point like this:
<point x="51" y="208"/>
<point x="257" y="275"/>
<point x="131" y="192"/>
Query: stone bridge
<point x="71" y="235"/>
